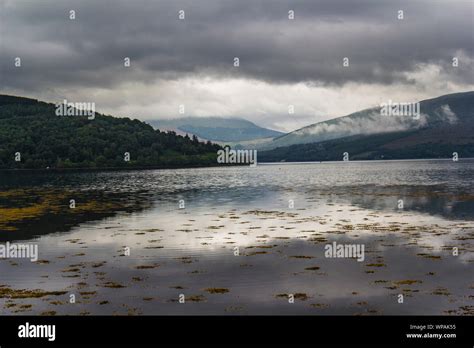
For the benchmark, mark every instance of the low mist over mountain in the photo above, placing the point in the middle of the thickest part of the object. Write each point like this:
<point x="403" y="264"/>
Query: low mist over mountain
<point x="216" y="128"/>
<point x="449" y="109"/>
<point x="445" y="125"/>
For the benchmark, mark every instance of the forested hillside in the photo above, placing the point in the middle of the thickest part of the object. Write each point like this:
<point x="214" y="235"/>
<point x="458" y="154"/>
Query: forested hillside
<point x="32" y="136"/>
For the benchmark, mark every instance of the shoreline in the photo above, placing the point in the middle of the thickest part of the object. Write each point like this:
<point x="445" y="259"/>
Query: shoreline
<point x="105" y="169"/>
<point x="112" y="169"/>
<point x="371" y="161"/>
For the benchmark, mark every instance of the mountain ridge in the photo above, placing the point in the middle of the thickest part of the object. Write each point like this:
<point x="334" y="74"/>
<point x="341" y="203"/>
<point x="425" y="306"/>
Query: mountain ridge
<point x="447" y="127"/>
<point x="218" y="129"/>
<point x="369" y="121"/>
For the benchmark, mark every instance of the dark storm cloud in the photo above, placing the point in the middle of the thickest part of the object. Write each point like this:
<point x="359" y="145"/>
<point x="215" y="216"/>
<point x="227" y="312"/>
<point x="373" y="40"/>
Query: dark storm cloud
<point x="89" y="51"/>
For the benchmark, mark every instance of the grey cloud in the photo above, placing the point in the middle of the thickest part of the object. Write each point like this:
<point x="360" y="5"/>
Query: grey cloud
<point x="89" y="51"/>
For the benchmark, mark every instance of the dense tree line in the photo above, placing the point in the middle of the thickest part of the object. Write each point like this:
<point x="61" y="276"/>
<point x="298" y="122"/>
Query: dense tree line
<point x="31" y="129"/>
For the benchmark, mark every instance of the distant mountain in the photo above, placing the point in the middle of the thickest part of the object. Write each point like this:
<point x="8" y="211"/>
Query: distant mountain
<point x="447" y="109"/>
<point x="216" y="129"/>
<point x="33" y="136"/>
<point x="446" y="125"/>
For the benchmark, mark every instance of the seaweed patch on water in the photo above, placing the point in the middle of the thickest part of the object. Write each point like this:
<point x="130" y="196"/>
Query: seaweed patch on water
<point x="43" y="210"/>
<point x="7" y="292"/>
<point x="217" y="290"/>
<point x="113" y="285"/>
<point x="301" y="296"/>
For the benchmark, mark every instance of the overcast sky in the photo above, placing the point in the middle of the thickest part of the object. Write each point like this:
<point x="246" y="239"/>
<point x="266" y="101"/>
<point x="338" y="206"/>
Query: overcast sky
<point x="190" y="62"/>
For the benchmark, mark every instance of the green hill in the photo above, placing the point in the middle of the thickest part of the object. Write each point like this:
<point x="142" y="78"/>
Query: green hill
<point x="446" y="125"/>
<point x="42" y="139"/>
<point x="444" y="110"/>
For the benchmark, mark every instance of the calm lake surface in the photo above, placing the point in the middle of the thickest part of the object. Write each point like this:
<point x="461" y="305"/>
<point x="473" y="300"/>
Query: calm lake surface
<point x="246" y="239"/>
